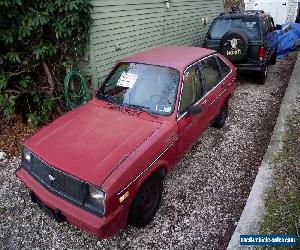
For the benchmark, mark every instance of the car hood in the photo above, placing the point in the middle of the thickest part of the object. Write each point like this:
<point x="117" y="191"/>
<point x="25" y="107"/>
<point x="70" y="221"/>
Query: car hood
<point x="91" y="141"/>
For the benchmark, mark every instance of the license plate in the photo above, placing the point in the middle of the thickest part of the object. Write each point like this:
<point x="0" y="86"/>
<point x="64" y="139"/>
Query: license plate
<point x="54" y="214"/>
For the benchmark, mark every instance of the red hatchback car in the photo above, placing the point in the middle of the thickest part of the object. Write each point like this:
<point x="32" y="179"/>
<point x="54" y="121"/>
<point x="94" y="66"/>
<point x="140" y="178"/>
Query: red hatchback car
<point x="102" y="165"/>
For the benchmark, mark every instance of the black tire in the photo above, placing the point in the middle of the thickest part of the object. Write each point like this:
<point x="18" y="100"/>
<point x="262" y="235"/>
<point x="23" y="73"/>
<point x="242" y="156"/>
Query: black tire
<point x="273" y="58"/>
<point x="235" y="45"/>
<point x="221" y="117"/>
<point x="263" y="75"/>
<point x="146" y="202"/>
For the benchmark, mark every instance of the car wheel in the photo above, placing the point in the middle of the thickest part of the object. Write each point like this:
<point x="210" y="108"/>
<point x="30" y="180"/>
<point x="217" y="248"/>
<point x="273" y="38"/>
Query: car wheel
<point x="263" y="75"/>
<point x="234" y="45"/>
<point x="273" y="58"/>
<point x="146" y="202"/>
<point x="221" y="118"/>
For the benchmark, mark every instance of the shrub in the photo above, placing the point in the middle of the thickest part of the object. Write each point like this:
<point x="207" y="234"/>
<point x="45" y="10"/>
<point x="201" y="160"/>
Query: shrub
<point x="39" y="40"/>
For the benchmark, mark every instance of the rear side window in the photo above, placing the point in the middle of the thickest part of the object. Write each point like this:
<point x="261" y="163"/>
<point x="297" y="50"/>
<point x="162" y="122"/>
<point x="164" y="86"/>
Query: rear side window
<point x="210" y="72"/>
<point x="192" y="89"/>
<point x="225" y="69"/>
<point x="250" y="25"/>
<point x="267" y="24"/>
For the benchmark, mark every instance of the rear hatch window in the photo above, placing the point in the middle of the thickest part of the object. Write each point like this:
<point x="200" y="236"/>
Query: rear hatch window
<point x="248" y="24"/>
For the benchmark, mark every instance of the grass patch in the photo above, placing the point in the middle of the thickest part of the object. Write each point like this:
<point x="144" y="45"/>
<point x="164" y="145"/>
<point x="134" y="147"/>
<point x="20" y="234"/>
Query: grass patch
<point x="283" y="197"/>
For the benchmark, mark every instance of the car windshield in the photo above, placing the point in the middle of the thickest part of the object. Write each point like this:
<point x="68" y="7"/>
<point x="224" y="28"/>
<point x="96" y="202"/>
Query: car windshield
<point x="250" y="25"/>
<point x="146" y="87"/>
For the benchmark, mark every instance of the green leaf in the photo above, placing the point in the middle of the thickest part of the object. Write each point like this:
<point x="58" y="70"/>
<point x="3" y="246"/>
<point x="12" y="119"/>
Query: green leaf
<point x="36" y="98"/>
<point x="3" y="80"/>
<point x="33" y="120"/>
<point x="48" y="105"/>
<point x="2" y="101"/>
<point x="10" y="105"/>
<point x="39" y="19"/>
<point x="31" y="31"/>
<point x="24" y="31"/>
<point x="6" y="36"/>
<point x="44" y="50"/>
<point x="13" y="57"/>
<point x="25" y="81"/>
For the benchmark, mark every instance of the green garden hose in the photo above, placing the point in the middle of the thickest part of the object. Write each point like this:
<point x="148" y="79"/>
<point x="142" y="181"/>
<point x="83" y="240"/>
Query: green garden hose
<point x="75" y="92"/>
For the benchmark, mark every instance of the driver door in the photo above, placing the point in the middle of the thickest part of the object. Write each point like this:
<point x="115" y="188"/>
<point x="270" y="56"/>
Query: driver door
<point x="190" y="127"/>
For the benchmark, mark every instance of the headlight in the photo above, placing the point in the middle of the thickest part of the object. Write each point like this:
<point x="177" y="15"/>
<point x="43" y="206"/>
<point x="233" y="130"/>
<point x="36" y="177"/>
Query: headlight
<point x="95" y="199"/>
<point x="97" y="194"/>
<point x="26" y="158"/>
<point x="26" y="155"/>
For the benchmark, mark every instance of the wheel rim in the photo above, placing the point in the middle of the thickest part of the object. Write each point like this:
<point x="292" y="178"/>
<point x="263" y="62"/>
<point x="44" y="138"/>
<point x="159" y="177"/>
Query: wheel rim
<point x="149" y="200"/>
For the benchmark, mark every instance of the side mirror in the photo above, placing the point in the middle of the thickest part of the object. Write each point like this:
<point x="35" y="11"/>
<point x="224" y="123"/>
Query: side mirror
<point x="194" y="110"/>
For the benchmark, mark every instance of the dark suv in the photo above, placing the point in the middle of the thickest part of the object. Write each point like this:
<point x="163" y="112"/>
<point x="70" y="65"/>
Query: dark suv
<point x="246" y="38"/>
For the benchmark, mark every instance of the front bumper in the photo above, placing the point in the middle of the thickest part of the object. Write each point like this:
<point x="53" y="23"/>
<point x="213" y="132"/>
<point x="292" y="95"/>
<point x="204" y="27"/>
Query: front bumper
<point x="102" y="227"/>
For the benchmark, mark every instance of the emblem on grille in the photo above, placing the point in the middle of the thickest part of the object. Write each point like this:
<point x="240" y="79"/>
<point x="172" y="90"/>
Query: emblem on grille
<point x="52" y="178"/>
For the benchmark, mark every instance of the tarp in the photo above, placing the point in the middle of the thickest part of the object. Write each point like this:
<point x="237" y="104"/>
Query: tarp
<point x="287" y="38"/>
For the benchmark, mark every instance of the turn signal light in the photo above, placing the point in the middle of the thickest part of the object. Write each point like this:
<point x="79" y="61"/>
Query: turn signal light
<point x="123" y="197"/>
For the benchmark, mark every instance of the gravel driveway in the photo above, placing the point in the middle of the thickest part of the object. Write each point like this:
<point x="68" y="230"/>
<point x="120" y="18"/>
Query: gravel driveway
<point x="204" y="195"/>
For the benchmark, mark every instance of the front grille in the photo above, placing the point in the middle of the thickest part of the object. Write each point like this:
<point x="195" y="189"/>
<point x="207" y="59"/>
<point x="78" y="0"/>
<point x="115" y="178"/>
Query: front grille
<point x="56" y="181"/>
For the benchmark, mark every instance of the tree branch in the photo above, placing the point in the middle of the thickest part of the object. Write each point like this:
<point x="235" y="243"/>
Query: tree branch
<point x="17" y="73"/>
<point x="49" y="77"/>
<point x="11" y="91"/>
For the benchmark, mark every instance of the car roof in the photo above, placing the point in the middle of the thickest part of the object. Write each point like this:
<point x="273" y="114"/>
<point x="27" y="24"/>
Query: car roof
<point x="235" y="14"/>
<point x="177" y="57"/>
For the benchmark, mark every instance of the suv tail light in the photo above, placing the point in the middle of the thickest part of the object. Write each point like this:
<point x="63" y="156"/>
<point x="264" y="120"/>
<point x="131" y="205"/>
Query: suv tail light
<point x="261" y="53"/>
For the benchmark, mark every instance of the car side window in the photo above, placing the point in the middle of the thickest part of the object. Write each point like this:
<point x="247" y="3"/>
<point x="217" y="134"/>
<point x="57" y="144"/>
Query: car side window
<point x="192" y="89"/>
<point x="210" y="73"/>
<point x="268" y="25"/>
<point x="225" y="69"/>
<point x="265" y="26"/>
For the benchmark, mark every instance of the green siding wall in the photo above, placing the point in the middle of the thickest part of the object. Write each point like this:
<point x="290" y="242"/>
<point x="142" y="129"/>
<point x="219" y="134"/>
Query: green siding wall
<point x="124" y="27"/>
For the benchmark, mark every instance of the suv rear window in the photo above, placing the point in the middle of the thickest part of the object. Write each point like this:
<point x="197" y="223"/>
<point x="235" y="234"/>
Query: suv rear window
<point x="211" y="73"/>
<point x="250" y="25"/>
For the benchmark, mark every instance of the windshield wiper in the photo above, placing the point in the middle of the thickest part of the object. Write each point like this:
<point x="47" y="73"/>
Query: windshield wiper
<point x="109" y="98"/>
<point x="141" y="108"/>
